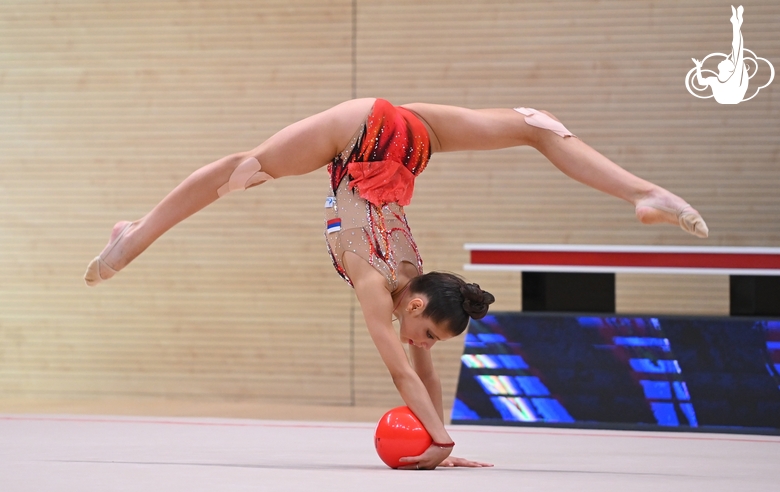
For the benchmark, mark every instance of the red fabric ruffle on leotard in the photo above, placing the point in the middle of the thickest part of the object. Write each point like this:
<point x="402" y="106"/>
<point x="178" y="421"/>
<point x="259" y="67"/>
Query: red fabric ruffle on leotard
<point x="381" y="182"/>
<point x="392" y="151"/>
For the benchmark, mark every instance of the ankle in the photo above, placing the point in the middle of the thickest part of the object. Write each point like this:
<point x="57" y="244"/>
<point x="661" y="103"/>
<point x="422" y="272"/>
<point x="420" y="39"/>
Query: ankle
<point x="648" y="195"/>
<point x="116" y="254"/>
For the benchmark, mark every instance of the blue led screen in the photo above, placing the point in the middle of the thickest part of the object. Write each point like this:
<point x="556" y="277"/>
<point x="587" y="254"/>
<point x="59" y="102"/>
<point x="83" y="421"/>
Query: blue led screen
<point x="621" y="372"/>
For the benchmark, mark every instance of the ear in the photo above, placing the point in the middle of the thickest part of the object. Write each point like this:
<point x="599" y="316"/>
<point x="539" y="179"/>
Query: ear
<point x="416" y="305"/>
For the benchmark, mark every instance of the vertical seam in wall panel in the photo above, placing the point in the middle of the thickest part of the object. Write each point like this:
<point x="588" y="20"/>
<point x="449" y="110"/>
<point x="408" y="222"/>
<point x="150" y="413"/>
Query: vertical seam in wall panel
<point x="352" y="351"/>
<point x="352" y="300"/>
<point x="354" y="49"/>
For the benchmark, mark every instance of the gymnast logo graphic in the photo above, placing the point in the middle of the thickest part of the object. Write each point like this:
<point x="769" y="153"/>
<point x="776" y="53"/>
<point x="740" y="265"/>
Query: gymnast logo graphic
<point x="735" y="70"/>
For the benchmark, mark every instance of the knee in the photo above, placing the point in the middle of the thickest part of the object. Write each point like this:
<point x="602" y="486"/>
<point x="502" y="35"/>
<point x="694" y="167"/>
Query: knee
<point x="229" y="163"/>
<point x="544" y="122"/>
<point x="549" y="114"/>
<point x="245" y="172"/>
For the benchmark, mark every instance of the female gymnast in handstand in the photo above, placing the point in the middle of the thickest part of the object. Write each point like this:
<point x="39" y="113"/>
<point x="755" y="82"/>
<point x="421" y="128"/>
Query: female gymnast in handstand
<point x="374" y="151"/>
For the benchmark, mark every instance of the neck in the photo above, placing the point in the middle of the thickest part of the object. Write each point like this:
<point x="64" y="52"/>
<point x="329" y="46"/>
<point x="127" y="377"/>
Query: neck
<point x="401" y="295"/>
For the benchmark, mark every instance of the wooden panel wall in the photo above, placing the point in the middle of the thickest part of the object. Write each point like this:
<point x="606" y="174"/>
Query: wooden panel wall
<point x="111" y="105"/>
<point x="613" y="72"/>
<point x="108" y="105"/>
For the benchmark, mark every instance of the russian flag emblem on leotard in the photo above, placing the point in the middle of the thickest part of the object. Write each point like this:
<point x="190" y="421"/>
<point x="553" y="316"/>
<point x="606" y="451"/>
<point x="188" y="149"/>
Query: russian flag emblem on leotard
<point x="334" y="225"/>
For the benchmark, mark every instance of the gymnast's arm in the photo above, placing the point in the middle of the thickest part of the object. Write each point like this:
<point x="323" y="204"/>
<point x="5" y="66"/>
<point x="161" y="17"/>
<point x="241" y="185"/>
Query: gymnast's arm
<point x="423" y="366"/>
<point x="377" y="306"/>
<point x="701" y="80"/>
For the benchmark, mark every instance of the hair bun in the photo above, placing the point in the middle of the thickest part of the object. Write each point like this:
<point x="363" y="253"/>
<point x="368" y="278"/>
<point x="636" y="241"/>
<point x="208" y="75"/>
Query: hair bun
<point x="476" y="300"/>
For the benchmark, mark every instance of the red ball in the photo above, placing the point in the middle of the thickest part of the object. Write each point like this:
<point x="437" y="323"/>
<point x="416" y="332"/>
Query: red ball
<point x="400" y="434"/>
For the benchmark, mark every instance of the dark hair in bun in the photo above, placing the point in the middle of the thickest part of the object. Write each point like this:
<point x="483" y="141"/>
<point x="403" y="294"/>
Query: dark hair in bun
<point x="451" y="300"/>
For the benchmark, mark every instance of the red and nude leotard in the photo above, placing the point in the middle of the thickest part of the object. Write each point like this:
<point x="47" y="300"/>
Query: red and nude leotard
<point x="370" y="182"/>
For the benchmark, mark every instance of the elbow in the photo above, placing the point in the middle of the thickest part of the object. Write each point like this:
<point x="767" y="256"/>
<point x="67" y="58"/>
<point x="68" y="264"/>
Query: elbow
<point x="427" y="374"/>
<point x="430" y="380"/>
<point x="402" y="378"/>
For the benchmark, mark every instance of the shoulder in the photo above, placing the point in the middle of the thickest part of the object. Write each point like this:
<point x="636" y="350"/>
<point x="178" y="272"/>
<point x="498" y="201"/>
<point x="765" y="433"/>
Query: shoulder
<point x="370" y="285"/>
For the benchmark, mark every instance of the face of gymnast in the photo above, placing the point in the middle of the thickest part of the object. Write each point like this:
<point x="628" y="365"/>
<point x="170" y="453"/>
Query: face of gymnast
<point x="417" y="329"/>
<point x="438" y="306"/>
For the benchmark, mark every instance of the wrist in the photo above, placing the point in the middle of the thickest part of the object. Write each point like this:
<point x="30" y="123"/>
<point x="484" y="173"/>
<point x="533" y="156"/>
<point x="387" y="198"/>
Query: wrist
<point x="444" y="445"/>
<point x="440" y="436"/>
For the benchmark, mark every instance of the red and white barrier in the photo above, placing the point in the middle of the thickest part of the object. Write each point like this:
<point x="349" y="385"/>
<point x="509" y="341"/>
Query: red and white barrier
<point x="624" y="259"/>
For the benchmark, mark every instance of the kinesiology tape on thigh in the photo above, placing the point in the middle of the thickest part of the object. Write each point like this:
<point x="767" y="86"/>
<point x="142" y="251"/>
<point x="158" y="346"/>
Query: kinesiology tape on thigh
<point x="541" y="120"/>
<point x="245" y="175"/>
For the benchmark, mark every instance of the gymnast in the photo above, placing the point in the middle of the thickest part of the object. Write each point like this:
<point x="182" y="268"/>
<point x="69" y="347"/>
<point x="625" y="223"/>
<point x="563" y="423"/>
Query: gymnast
<point x="731" y="84"/>
<point x="374" y="151"/>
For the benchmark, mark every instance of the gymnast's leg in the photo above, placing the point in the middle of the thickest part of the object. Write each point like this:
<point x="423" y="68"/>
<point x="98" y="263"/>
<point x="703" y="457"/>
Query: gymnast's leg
<point x="453" y="128"/>
<point x="297" y="149"/>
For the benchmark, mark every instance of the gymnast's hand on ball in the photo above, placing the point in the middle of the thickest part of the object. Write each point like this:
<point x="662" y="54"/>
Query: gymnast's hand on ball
<point x="429" y="460"/>
<point x="453" y="461"/>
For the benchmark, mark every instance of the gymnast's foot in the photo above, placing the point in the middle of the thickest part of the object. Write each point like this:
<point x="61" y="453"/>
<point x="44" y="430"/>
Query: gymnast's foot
<point x="661" y="206"/>
<point x="736" y="15"/>
<point x="106" y="265"/>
